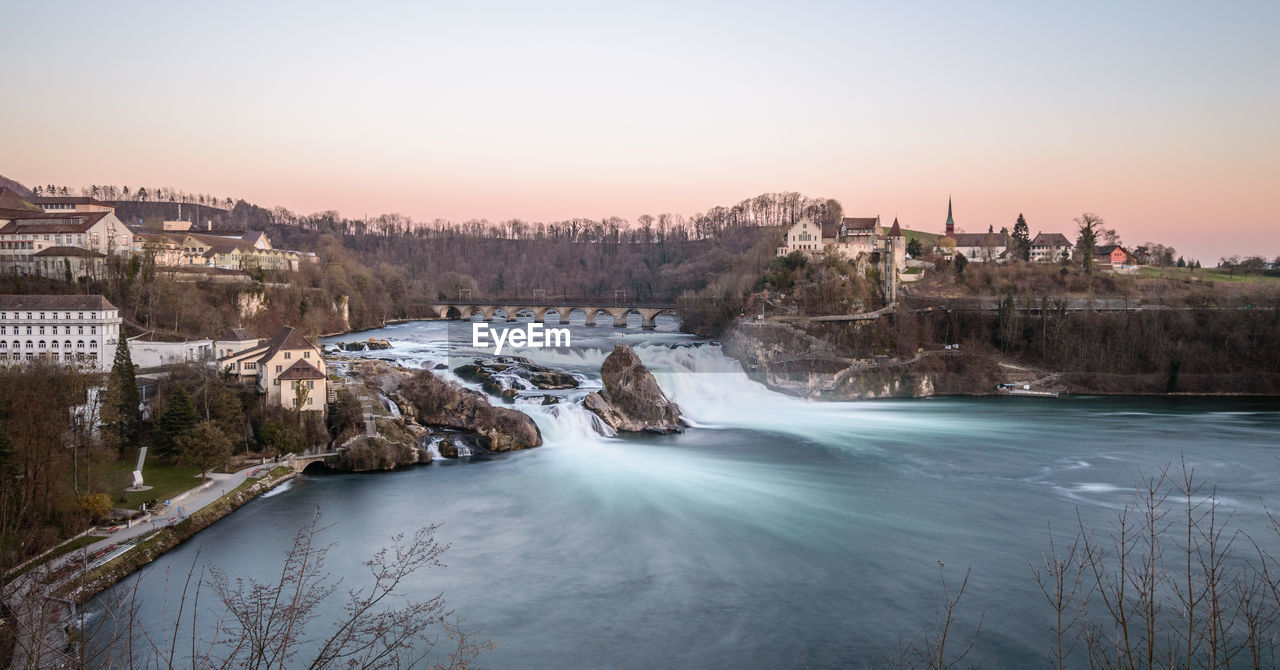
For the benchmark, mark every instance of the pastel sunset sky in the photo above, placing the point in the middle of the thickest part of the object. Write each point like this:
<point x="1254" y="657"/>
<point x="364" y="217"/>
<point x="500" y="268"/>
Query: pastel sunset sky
<point x="1162" y="117"/>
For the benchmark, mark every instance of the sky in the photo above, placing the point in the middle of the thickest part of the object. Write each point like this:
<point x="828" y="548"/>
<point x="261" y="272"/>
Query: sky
<point x="1161" y="117"/>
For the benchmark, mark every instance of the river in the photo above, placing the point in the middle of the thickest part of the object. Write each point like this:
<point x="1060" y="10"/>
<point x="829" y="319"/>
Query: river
<point x="775" y="532"/>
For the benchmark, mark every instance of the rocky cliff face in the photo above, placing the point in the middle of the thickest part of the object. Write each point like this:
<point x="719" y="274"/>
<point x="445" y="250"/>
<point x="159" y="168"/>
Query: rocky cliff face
<point x="792" y="361"/>
<point x="631" y="400"/>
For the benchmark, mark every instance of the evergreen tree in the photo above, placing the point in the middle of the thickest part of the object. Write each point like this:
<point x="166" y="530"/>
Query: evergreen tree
<point x="177" y="420"/>
<point x="914" y="248"/>
<point x="1021" y="241"/>
<point x="121" y="406"/>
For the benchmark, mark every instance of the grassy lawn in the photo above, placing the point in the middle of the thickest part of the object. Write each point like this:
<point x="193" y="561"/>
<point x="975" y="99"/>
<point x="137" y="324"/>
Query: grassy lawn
<point x="1205" y="274"/>
<point x="166" y="480"/>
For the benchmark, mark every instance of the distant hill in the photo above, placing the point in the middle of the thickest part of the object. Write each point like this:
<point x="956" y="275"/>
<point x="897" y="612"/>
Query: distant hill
<point x="14" y="186"/>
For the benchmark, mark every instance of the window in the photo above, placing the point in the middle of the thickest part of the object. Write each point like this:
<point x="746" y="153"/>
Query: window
<point x="28" y="330"/>
<point x="42" y="344"/>
<point x="93" y="344"/>
<point x="80" y="330"/>
<point x="80" y="344"/>
<point x="93" y="330"/>
<point x="250" y="366"/>
<point x="53" y="344"/>
<point x="287" y="355"/>
<point x="2" y="330"/>
<point x="277" y="382"/>
<point x="278" y="370"/>
<point x="30" y="344"/>
<point x="93" y="357"/>
<point x="4" y="345"/>
<point x="66" y="345"/>
<point x="311" y="384"/>
<point x="306" y="354"/>
<point x="42" y="330"/>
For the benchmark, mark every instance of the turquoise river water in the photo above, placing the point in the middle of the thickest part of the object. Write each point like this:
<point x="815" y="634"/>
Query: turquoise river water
<point x="775" y="532"/>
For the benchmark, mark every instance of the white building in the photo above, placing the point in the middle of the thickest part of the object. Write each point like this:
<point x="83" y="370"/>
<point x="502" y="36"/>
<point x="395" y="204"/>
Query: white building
<point x="852" y="237"/>
<point x="982" y="247"/>
<point x="73" y="329"/>
<point x="1050" y="247"/>
<point x="68" y="233"/>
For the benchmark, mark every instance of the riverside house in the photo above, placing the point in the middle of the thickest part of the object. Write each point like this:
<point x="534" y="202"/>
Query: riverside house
<point x="288" y="370"/>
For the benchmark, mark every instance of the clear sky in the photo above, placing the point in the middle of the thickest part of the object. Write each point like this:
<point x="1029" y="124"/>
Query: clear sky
<point x="1162" y="117"/>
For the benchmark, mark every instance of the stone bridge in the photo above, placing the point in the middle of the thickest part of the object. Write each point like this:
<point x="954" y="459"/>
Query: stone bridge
<point x="510" y="310"/>
<point x="299" y="462"/>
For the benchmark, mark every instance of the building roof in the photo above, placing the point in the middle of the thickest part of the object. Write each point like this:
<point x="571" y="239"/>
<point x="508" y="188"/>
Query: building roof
<point x="861" y="223"/>
<point x="45" y="223"/>
<point x="895" y="230"/>
<point x="1108" y="248"/>
<point x="237" y="335"/>
<point x="981" y="240"/>
<point x="301" y="370"/>
<point x="1051" y="240"/>
<point x="54" y="302"/>
<point x="951" y="222"/>
<point x="70" y="200"/>
<point x="69" y="251"/>
<point x="286" y="338"/>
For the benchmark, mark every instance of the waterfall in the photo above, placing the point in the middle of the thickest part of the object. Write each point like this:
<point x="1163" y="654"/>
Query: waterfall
<point x="568" y="423"/>
<point x="391" y="405"/>
<point x="463" y="450"/>
<point x="433" y="447"/>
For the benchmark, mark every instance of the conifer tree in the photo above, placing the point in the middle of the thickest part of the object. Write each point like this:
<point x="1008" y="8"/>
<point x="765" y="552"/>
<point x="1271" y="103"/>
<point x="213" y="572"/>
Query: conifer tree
<point x="1022" y="239"/>
<point x="121" y="407"/>
<point x="177" y="420"/>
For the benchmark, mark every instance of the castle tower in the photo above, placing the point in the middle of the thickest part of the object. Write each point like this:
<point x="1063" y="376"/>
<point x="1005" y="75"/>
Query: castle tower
<point x="951" y="222"/>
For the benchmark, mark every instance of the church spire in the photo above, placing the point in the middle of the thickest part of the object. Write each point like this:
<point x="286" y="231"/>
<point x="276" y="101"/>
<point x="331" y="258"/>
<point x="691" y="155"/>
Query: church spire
<point x="951" y="222"/>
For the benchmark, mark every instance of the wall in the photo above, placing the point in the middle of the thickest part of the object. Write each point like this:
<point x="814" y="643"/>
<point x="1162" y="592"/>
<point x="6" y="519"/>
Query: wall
<point x="147" y="354"/>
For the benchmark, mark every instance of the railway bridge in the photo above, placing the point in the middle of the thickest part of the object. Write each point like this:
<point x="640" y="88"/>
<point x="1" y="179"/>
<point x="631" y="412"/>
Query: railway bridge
<point x="541" y="310"/>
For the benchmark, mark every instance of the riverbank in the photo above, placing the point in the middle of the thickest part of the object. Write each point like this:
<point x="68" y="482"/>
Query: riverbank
<point x="168" y="537"/>
<point x="45" y="595"/>
<point x="918" y="355"/>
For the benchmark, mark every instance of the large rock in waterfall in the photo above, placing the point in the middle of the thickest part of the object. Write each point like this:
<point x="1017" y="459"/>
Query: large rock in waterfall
<point x="631" y="400"/>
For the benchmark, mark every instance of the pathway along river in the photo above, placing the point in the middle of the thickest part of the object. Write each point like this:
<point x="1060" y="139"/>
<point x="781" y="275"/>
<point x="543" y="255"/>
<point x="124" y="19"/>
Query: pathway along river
<point x="774" y="533"/>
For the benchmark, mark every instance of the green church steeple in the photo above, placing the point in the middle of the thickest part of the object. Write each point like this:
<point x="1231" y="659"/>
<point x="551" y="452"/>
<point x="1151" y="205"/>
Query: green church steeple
<point x="951" y="222"/>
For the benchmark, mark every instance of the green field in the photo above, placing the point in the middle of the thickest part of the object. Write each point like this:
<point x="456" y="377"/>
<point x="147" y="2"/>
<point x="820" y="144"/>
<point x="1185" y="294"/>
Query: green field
<point x="927" y="240"/>
<point x="166" y="481"/>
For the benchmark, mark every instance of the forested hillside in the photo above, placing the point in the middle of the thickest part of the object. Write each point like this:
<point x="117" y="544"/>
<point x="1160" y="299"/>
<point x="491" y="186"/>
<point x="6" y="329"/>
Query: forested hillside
<point x="391" y="266"/>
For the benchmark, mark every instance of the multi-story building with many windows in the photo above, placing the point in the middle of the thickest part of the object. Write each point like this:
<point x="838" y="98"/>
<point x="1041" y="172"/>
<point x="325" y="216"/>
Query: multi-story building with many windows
<point x="72" y="329"/>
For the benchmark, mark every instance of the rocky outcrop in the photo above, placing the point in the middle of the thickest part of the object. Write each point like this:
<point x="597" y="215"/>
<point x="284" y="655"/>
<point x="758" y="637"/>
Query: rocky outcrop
<point x="371" y="344"/>
<point x="436" y="402"/>
<point x="377" y="453"/>
<point x="498" y="375"/>
<point x="631" y="400"/>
